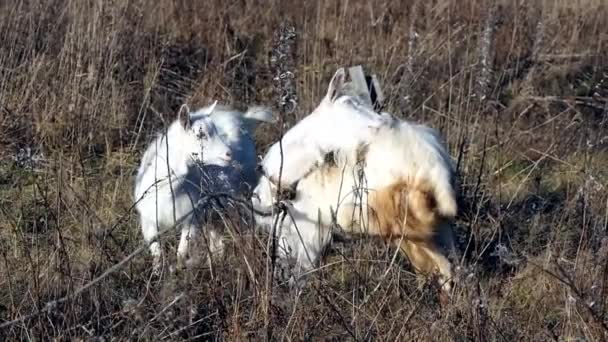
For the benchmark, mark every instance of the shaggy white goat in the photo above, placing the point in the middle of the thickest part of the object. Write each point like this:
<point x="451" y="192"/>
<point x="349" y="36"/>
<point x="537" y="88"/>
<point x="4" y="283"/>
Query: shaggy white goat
<point x="394" y="179"/>
<point x="210" y="150"/>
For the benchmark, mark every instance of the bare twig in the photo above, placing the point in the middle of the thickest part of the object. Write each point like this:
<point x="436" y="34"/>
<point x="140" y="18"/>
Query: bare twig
<point x="486" y="53"/>
<point x="282" y="61"/>
<point x="565" y="279"/>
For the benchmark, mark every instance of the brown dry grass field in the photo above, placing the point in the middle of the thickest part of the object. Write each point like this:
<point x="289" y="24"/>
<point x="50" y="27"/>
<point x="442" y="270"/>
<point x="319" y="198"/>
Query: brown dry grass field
<point x="518" y="88"/>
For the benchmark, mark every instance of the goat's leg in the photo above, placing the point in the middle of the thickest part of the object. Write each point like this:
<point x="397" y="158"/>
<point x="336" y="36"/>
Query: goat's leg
<point x="302" y="243"/>
<point x="188" y="235"/>
<point x="150" y="233"/>
<point x="428" y="259"/>
<point x="215" y="245"/>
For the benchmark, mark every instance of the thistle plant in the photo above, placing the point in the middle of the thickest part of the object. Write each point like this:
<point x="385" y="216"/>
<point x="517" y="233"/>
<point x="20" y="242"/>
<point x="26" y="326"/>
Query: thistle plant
<point x="282" y="65"/>
<point x="486" y="54"/>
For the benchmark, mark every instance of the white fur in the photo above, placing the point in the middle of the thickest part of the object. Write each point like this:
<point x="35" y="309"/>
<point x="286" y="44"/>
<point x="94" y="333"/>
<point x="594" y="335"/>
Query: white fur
<point x="338" y="122"/>
<point x="397" y="150"/>
<point x="215" y="152"/>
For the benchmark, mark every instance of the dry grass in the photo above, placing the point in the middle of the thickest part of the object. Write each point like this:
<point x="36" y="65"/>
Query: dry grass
<point x="83" y="84"/>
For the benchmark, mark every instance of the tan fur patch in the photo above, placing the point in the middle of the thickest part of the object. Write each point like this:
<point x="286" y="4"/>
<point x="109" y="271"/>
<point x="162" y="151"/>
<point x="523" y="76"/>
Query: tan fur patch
<point x="405" y="209"/>
<point x="419" y="257"/>
<point x="407" y="215"/>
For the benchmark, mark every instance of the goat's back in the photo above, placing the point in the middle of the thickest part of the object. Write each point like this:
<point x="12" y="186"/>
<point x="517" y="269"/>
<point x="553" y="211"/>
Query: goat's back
<point x="415" y="154"/>
<point x="405" y="162"/>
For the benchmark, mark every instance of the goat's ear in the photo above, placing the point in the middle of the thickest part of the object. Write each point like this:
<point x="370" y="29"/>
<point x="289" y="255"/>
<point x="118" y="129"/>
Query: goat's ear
<point x="336" y="84"/>
<point x="184" y="118"/>
<point x="260" y="169"/>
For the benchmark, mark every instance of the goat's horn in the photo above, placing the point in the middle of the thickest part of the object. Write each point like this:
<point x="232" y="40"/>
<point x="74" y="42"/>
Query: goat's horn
<point x="212" y="108"/>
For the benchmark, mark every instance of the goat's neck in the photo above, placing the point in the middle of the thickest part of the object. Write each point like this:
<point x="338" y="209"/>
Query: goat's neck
<point x="330" y="127"/>
<point x="178" y="158"/>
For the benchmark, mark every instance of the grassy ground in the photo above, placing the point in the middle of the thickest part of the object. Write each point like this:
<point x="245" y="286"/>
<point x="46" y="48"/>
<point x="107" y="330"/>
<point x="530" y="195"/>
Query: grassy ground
<point x="519" y="89"/>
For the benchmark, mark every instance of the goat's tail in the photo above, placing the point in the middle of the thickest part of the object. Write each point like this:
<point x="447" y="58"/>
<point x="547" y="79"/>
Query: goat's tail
<point x="445" y="199"/>
<point x="413" y="210"/>
<point x="260" y="113"/>
<point x="255" y="114"/>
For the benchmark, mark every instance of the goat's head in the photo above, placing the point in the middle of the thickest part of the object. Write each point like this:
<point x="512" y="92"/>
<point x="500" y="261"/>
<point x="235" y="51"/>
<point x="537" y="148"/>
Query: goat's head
<point x="263" y="199"/>
<point x="203" y="140"/>
<point x="266" y="194"/>
<point x="342" y="98"/>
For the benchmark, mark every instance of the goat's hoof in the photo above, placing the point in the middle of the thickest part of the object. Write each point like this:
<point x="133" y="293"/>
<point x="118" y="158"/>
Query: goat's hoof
<point x="179" y="265"/>
<point x="447" y="285"/>
<point x="444" y="298"/>
<point x="156" y="267"/>
<point x="297" y="284"/>
<point x="189" y="263"/>
<point x="445" y="292"/>
<point x="282" y="271"/>
<point x="173" y="269"/>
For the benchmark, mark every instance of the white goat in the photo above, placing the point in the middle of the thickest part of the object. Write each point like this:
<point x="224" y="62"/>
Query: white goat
<point x="394" y="179"/>
<point x="210" y="150"/>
